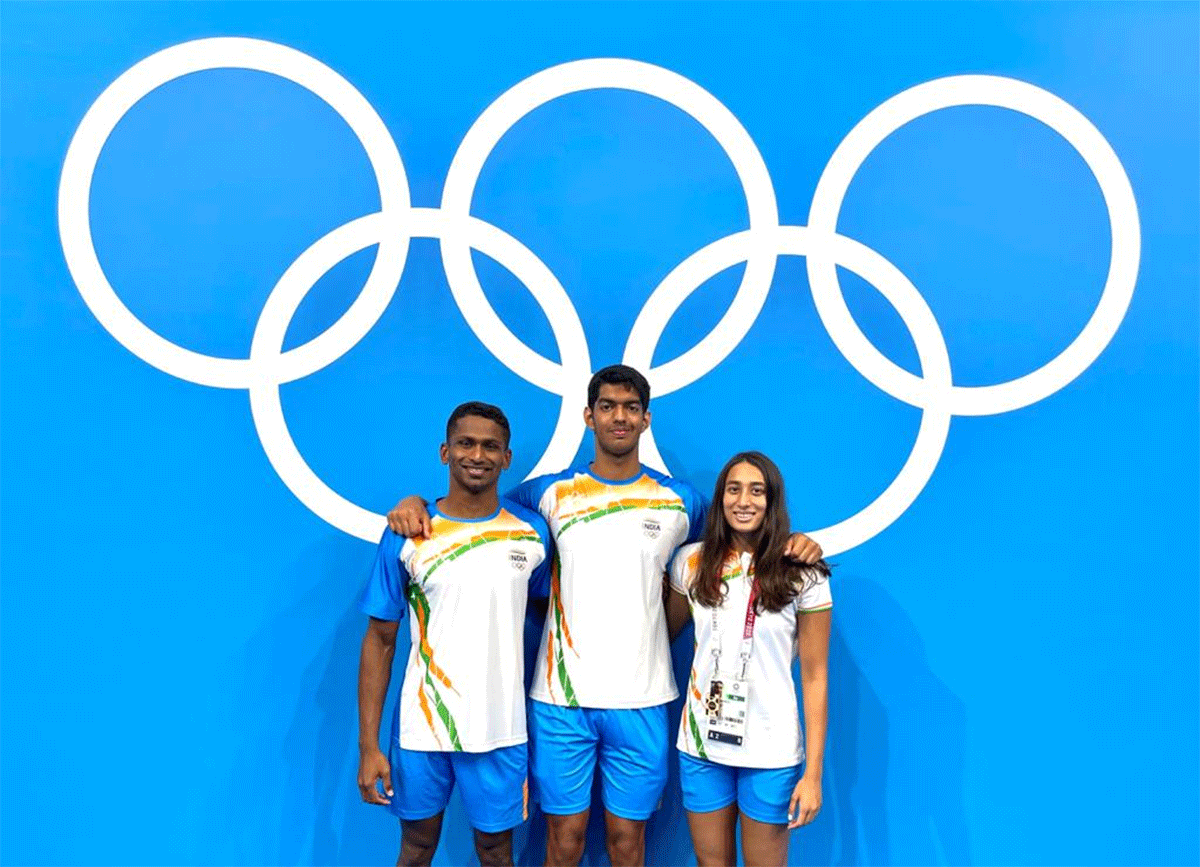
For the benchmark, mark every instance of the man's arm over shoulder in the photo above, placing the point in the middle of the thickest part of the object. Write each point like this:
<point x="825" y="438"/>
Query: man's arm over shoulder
<point x="531" y="492"/>
<point x="410" y="518"/>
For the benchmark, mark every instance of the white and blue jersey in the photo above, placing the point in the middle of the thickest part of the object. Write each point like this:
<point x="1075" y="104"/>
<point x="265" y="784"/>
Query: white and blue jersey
<point x="605" y="643"/>
<point x="467" y="585"/>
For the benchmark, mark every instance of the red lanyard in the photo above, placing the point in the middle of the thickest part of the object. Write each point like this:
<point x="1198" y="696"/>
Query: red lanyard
<point x="748" y="629"/>
<point x="751" y="613"/>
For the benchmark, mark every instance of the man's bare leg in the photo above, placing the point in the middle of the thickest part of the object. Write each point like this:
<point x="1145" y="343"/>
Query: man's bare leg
<point x="418" y="841"/>
<point x="494" y="850"/>
<point x="565" y="837"/>
<point x="626" y="840"/>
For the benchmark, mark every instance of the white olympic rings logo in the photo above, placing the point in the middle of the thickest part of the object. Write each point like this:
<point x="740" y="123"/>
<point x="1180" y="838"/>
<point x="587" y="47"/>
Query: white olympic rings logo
<point x="397" y="222"/>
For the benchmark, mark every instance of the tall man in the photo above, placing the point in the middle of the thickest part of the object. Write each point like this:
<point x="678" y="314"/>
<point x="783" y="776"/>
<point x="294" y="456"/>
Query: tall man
<point x="462" y="706"/>
<point x="603" y="677"/>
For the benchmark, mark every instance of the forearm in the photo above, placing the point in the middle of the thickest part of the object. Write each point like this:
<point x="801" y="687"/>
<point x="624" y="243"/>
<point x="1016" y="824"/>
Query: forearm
<point x="814" y="687"/>
<point x="678" y="612"/>
<point x="374" y="675"/>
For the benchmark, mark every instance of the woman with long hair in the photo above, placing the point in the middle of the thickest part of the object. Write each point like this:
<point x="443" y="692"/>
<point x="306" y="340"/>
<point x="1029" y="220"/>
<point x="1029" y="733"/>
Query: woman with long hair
<point x="740" y="748"/>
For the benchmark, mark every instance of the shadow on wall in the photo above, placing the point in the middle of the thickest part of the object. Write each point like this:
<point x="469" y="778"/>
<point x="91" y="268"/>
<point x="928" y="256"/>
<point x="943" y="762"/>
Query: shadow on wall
<point x="894" y="760"/>
<point x="303" y="763"/>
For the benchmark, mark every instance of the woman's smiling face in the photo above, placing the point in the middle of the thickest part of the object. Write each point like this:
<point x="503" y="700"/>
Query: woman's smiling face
<point x="744" y="501"/>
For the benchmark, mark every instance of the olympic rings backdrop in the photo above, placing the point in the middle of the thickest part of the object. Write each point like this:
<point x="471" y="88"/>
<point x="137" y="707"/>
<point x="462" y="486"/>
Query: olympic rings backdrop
<point x="939" y="261"/>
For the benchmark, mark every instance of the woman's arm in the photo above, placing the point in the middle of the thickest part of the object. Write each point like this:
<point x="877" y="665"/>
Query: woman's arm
<point x="812" y="644"/>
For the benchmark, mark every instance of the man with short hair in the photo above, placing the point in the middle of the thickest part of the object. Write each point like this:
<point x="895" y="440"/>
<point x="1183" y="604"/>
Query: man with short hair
<point x="603" y="677"/>
<point x="461" y="716"/>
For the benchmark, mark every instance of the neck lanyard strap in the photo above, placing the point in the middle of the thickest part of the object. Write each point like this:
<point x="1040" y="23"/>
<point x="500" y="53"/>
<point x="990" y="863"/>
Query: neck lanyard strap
<point x="747" y="645"/>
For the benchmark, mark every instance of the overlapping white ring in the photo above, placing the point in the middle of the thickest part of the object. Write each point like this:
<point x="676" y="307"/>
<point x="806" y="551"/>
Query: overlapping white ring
<point x="74" y="197"/>
<point x="391" y="228"/>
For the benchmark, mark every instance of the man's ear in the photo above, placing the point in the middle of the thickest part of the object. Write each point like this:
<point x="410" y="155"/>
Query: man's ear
<point x="645" y="420"/>
<point x="588" y="419"/>
<point x="444" y="454"/>
<point x="507" y="459"/>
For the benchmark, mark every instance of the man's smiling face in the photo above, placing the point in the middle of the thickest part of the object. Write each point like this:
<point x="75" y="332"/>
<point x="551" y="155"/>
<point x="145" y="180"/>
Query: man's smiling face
<point x="618" y="420"/>
<point x="476" y="452"/>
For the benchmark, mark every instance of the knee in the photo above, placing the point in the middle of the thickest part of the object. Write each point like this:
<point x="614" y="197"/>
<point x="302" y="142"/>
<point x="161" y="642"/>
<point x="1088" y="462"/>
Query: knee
<point x="626" y="845"/>
<point x="713" y="853"/>
<point x="415" y="854"/>
<point x="564" y="842"/>
<point x="416" y="848"/>
<point x="494" y="850"/>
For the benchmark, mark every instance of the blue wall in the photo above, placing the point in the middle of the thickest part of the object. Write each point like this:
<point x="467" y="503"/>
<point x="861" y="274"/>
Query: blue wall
<point x="1014" y="656"/>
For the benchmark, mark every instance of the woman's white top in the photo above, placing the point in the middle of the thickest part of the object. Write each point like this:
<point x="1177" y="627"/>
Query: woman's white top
<point x="772" y="738"/>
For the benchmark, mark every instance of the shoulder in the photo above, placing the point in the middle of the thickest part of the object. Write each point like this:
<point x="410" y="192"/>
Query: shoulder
<point x="685" y="490"/>
<point x="543" y="483"/>
<point x="391" y="543"/>
<point x="394" y="548"/>
<point x="812" y="585"/>
<point x="526" y="516"/>
<point x="687" y="559"/>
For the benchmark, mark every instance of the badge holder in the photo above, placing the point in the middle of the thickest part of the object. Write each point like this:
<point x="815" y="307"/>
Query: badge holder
<point x="728" y="699"/>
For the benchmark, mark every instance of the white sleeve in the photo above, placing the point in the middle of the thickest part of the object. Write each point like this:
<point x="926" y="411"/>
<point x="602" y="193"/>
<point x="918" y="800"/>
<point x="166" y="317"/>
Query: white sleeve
<point x="816" y="595"/>
<point x="678" y="570"/>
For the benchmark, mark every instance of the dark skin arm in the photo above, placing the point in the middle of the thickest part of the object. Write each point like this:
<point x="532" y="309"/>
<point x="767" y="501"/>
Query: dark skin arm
<point x="410" y="518"/>
<point x="374" y="675"/>
<point x="678" y="611"/>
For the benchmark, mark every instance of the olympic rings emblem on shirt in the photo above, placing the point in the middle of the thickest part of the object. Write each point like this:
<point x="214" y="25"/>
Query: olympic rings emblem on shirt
<point x="397" y="221"/>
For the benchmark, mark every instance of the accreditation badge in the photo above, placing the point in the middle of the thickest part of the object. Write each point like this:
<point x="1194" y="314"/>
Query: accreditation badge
<point x="726" y="704"/>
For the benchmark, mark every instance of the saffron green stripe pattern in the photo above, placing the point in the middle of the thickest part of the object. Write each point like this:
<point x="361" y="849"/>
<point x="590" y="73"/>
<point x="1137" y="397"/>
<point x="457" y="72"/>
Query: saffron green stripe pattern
<point x="560" y="664"/>
<point x="420" y="605"/>
<point x="619" y="507"/>
<point x="459" y="551"/>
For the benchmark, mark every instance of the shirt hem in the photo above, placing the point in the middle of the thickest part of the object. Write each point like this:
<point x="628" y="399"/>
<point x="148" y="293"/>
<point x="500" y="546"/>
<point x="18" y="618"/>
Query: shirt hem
<point x="636" y="704"/>
<point x="758" y="764"/>
<point x="473" y="748"/>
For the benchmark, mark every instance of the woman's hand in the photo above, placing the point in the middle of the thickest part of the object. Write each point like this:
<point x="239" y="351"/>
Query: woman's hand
<point x="805" y="803"/>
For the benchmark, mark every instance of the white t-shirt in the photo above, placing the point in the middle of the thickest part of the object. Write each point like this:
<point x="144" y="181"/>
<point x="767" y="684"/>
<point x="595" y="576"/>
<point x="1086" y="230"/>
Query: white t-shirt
<point x="467" y="585"/>
<point x="605" y="643"/>
<point x="772" y="738"/>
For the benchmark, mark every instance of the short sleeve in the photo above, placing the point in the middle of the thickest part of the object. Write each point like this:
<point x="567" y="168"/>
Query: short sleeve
<point x="539" y="581"/>
<point x="697" y="510"/>
<point x="383" y="597"/>
<point x="815" y="595"/>
<point x="679" y="572"/>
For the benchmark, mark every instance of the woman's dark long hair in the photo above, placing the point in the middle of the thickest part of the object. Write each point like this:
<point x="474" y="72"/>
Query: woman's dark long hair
<point x="779" y="579"/>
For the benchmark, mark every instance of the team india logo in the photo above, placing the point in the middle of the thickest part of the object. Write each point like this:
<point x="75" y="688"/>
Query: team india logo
<point x="651" y="528"/>
<point x="518" y="560"/>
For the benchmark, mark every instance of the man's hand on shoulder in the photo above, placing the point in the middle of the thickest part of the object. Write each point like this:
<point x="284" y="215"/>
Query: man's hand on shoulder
<point x="803" y="549"/>
<point x="410" y="518"/>
<point x="373" y="768"/>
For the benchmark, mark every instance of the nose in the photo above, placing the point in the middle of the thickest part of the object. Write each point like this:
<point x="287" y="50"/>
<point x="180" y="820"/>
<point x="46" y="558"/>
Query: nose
<point x="743" y="497"/>
<point x="476" y="453"/>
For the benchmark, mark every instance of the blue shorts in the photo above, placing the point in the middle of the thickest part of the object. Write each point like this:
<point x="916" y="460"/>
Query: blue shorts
<point x="492" y="785"/>
<point x="763" y="794"/>
<point x="632" y="746"/>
